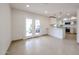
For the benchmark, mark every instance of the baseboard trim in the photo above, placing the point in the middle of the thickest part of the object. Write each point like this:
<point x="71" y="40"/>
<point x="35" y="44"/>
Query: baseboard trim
<point x="29" y="38"/>
<point x="17" y="40"/>
<point x="8" y="48"/>
<point x="37" y="36"/>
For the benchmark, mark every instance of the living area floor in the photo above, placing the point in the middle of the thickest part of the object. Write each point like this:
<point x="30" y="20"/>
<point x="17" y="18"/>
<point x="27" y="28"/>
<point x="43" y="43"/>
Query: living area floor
<point x="45" y="45"/>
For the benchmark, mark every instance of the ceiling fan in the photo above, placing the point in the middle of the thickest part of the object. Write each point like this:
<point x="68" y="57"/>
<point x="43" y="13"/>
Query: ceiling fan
<point x="56" y="15"/>
<point x="52" y="17"/>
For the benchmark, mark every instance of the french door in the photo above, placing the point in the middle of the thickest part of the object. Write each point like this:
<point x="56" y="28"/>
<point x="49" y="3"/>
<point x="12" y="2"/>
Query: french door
<point x="32" y="28"/>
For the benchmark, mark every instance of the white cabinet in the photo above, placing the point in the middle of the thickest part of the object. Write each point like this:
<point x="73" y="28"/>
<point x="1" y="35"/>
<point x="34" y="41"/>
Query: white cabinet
<point x="57" y="32"/>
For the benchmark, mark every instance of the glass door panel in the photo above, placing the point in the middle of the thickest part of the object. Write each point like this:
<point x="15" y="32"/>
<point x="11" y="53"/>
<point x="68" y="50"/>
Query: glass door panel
<point x="28" y="27"/>
<point x="37" y="27"/>
<point x="32" y="28"/>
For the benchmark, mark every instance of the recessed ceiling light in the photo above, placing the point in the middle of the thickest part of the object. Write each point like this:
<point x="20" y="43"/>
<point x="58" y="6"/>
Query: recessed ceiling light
<point x="45" y="12"/>
<point x="27" y="5"/>
<point x="65" y="19"/>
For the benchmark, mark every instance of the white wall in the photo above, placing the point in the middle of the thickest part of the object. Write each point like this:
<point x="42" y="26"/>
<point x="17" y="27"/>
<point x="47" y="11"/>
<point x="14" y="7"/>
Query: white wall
<point x="19" y="18"/>
<point x="78" y="26"/>
<point x="5" y="27"/>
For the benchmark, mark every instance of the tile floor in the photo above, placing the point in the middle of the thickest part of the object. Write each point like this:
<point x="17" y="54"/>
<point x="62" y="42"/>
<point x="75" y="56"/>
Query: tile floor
<point x="45" y="45"/>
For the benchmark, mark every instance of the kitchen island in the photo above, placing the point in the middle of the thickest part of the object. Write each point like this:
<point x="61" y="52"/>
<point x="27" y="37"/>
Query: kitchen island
<point x="58" y="32"/>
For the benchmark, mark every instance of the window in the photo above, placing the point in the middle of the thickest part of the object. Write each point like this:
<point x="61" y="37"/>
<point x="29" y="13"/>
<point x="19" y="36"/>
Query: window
<point x="37" y="27"/>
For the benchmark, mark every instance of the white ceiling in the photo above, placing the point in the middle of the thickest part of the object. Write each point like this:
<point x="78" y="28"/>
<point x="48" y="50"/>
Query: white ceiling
<point x="51" y="8"/>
